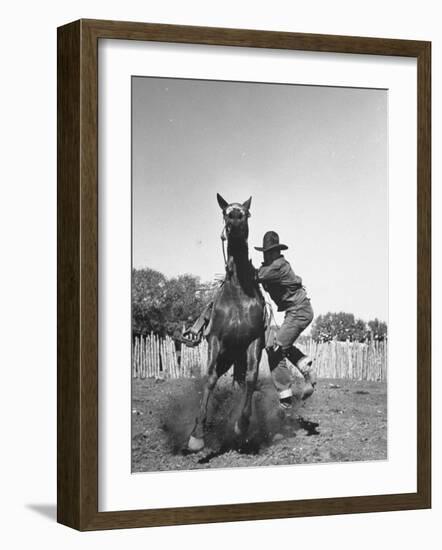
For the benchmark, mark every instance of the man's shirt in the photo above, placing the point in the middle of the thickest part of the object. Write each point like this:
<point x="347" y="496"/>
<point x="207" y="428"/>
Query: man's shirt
<point x="283" y="285"/>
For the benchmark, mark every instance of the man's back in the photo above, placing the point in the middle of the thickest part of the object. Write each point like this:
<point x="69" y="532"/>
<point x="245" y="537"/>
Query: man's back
<point x="282" y="283"/>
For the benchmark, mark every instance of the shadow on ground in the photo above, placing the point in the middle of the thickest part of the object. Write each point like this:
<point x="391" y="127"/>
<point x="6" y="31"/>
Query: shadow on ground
<point x="48" y="511"/>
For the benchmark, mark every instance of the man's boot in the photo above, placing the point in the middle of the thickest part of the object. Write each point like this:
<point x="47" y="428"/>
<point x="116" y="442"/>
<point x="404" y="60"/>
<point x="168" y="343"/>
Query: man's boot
<point x="305" y="368"/>
<point x="304" y="364"/>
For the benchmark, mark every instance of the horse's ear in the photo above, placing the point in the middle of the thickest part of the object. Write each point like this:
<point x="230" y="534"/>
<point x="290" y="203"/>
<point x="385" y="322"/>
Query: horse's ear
<point x="247" y="203"/>
<point x="222" y="203"/>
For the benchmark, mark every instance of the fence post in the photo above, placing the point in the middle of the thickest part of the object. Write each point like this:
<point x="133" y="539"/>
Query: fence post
<point x="134" y="358"/>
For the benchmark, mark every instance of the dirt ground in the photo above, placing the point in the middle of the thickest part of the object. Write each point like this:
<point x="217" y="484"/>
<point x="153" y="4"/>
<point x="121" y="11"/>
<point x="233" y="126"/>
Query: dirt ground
<point x="344" y="421"/>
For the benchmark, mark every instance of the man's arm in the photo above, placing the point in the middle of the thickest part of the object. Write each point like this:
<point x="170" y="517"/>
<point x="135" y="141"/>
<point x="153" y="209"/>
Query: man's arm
<point x="268" y="273"/>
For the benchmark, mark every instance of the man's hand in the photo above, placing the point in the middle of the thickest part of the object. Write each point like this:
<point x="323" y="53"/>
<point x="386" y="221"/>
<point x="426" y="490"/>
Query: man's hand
<point x="253" y="270"/>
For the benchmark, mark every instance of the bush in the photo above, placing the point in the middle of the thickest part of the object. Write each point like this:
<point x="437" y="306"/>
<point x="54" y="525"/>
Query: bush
<point x="343" y="326"/>
<point x="163" y="305"/>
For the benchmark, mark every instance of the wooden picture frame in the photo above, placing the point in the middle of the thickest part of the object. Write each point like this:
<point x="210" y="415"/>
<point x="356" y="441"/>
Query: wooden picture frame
<point x="77" y="224"/>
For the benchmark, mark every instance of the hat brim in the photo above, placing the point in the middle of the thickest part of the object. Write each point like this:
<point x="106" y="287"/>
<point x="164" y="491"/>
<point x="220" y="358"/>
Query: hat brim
<point x="272" y="247"/>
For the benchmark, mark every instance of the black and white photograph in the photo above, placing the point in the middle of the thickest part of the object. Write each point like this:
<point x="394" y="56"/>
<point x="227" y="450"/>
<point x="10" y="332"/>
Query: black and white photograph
<point x="259" y="274"/>
<point x="220" y="248"/>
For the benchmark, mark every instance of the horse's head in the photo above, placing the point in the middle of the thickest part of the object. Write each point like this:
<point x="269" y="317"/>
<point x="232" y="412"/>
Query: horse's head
<point x="236" y="217"/>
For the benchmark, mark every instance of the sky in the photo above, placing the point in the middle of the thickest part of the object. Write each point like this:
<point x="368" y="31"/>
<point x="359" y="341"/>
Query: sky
<point x="314" y="159"/>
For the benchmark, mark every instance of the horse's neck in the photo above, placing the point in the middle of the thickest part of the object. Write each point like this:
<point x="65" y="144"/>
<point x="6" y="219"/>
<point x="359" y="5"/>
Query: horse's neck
<point x="238" y="261"/>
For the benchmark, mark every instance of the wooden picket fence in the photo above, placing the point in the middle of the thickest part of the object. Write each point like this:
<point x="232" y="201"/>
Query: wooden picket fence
<point x="355" y="360"/>
<point x="154" y="357"/>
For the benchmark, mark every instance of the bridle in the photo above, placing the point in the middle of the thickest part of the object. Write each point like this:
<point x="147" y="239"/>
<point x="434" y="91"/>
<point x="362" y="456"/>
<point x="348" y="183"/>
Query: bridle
<point x="223" y="235"/>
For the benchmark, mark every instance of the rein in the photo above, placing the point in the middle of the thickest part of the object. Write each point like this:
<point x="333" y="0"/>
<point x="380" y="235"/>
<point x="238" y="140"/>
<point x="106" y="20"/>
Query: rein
<point x="223" y="245"/>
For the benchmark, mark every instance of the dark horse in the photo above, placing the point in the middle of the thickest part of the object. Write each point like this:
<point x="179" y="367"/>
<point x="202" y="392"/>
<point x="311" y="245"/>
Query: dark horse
<point x="236" y="328"/>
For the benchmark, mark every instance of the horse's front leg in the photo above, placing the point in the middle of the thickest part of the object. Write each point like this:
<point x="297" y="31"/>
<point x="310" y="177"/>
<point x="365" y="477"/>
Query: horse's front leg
<point x="196" y="439"/>
<point x="253" y="358"/>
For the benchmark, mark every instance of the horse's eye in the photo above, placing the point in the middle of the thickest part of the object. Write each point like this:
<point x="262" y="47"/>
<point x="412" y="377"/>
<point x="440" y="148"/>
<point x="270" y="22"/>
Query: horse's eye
<point x="230" y="214"/>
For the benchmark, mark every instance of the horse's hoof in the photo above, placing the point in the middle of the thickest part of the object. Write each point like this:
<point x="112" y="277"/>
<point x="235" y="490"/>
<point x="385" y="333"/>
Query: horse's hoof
<point x="195" y="444"/>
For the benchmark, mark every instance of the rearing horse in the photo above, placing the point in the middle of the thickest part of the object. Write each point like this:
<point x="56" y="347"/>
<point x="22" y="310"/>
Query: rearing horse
<point x="236" y="329"/>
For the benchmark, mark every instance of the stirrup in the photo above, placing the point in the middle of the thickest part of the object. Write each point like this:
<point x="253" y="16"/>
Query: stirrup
<point x="191" y="342"/>
<point x="285" y="405"/>
<point x="286" y="399"/>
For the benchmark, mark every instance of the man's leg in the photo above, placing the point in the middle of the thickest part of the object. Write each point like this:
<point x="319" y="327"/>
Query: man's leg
<point x="296" y="320"/>
<point x="278" y="367"/>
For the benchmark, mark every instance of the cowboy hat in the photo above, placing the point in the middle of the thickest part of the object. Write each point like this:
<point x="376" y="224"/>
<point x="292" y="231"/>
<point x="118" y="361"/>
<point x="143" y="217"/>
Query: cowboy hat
<point x="271" y="241"/>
